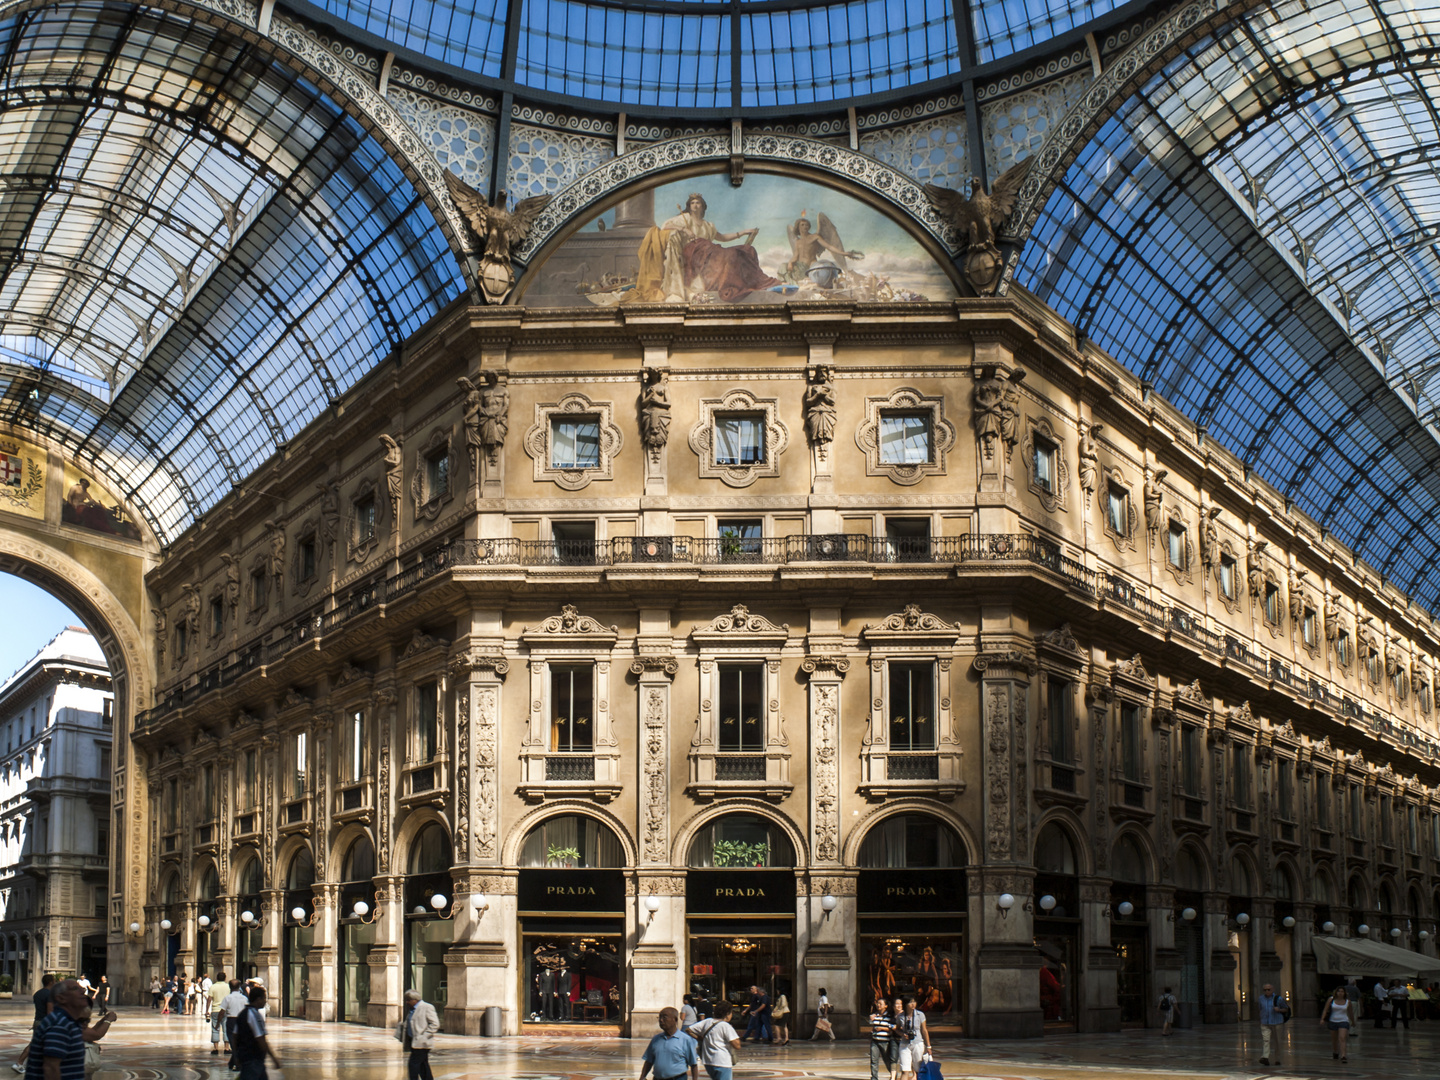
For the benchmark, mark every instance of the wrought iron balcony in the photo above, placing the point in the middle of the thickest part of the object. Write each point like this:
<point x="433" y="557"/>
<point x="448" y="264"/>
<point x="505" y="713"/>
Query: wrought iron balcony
<point x="570" y="767"/>
<point x="739" y="766"/>
<point x="910" y="766"/>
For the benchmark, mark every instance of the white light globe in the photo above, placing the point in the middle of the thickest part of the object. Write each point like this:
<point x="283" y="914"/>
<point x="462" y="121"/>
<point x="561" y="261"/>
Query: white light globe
<point x="1363" y="928"/>
<point x="419" y="910"/>
<point x="1288" y="922"/>
<point x="204" y="921"/>
<point x="828" y="903"/>
<point x="1424" y="935"/>
<point x="1126" y="908"/>
<point x="247" y="917"/>
<point x="1395" y="931"/>
<point x="298" y="914"/>
<point x="1188" y="914"/>
<point x="1242" y="919"/>
<point x="1048" y="902"/>
<point x="361" y="909"/>
<point x="438" y="902"/>
<point x="165" y="924"/>
<point x="134" y="927"/>
<point x="479" y="902"/>
<point x="652" y="903"/>
<point x="1006" y="901"/>
<point x="1327" y="926"/>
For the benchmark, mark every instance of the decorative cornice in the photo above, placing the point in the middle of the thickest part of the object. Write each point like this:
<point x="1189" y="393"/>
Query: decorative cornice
<point x="466" y="662"/>
<point x="1005" y="662"/>
<point x="825" y="662"/>
<point x="570" y="624"/>
<point x="662" y="662"/>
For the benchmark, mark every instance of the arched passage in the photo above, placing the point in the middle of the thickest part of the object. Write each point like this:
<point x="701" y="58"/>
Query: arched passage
<point x="1057" y="923"/>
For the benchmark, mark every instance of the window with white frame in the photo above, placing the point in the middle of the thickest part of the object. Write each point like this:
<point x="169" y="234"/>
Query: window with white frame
<point x="905" y="438"/>
<point x="1117" y="509"/>
<point x="296" y="773"/>
<point x="739" y="439"/>
<point x="574" y="442"/>
<point x="1310" y="629"/>
<point x="1228" y="576"/>
<point x="572" y="708"/>
<point x="912" y="705"/>
<point x="1175" y="545"/>
<point x="355" y="757"/>
<point x="1043" y="460"/>
<point x="741" y="727"/>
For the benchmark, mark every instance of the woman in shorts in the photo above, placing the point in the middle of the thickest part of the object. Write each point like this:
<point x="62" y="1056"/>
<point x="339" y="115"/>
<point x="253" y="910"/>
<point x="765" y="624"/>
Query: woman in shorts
<point x="1338" y="1015"/>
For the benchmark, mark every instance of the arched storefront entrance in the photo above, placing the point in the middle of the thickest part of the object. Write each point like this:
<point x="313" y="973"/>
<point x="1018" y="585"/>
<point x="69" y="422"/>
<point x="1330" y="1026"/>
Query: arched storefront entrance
<point x="912" y="903"/>
<point x="1057" y="926"/>
<point x="571" y="906"/>
<point x="1130" y="931"/>
<point x="429" y="932"/>
<point x="299" y="934"/>
<point x="357" y="932"/>
<point x="206" y="921"/>
<point x="740" y="908"/>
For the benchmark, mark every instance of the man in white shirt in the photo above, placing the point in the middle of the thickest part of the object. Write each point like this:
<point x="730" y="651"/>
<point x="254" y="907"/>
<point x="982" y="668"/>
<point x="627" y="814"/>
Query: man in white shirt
<point x="719" y="1042"/>
<point x="234" y="1004"/>
<point x="1381" y="996"/>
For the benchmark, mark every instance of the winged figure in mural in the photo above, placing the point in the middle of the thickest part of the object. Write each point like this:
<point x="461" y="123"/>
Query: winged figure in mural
<point x="807" y="246"/>
<point x="976" y="218"/>
<point x="497" y="229"/>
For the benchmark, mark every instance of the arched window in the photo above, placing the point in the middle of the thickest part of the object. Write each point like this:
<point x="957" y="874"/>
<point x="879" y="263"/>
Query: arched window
<point x="1242" y="882"/>
<point x="913" y="841"/>
<point x="742" y="840"/>
<point x="1322" y="889"/>
<point x="1284" y="884"/>
<point x="209" y="885"/>
<point x="572" y="840"/>
<point x="171" y="893"/>
<point x="1189" y="871"/>
<point x="251" y="879"/>
<point x="1054" y="854"/>
<point x="1355" y="895"/>
<point x="430" y="853"/>
<point x="1387" y="899"/>
<point x="302" y="871"/>
<point x="360" y="861"/>
<point x="1128" y="862"/>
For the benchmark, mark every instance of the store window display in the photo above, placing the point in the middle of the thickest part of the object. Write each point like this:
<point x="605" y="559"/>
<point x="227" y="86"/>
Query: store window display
<point x="912" y="901"/>
<point x="1057" y="925"/>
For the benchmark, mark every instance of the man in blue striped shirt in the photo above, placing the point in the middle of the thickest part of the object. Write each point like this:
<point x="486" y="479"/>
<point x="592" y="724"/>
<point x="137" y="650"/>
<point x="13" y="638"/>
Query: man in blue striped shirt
<point x="58" y="1049"/>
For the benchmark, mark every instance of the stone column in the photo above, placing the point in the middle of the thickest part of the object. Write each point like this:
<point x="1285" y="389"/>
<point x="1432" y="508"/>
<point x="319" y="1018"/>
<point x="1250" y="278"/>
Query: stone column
<point x="320" y="960"/>
<point x="1007" y="983"/>
<point x="272" y="928"/>
<point x="386" y="958"/>
<point x="226" y="914"/>
<point x="1098" y="1000"/>
<point x="1220" y="1004"/>
<point x="1307" y="978"/>
<point x="824" y="945"/>
<point x="1264" y="960"/>
<point x="1164" y="956"/>
<point x="478" y="964"/>
<point x="185" y="958"/>
<point x="656" y="938"/>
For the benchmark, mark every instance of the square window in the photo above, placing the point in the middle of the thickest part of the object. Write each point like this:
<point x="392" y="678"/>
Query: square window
<point x="1227" y="576"/>
<point x="905" y="439"/>
<point x="1045" y="466"/>
<point x="739" y="440"/>
<point x="1117" y="509"/>
<point x="365" y="519"/>
<point x="437" y="475"/>
<point x="575" y="443"/>
<point x="740" y="538"/>
<point x="1175" y="545"/>
<point x="742" y="707"/>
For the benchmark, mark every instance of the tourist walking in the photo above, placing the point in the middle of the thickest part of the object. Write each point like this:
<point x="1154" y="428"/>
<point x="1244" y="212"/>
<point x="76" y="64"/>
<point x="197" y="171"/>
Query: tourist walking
<point x="780" y="1021"/>
<point x="44" y="1001"/>
<point x="219" y="990"/>
<point x="759" y="1018"/>
<point x="1381" y="994"/>
<point x="61" y="1036"/>
<point x="823" y="1026"/>
<point x="882" y="1028"/>
<point x="1399" y="1002"/>
<point x="155" y="989"/>
<point x="671" y="1053"/>
<point x="1274" y="1011"/>
<point x="234" y="1004"/>
<point x="102" y="994"/>
<point x="251" y="1045"/>
<point x="1338" y="1014"/>
<point x="1168" y="1006"/>
<point x="417" y="1034"/>
<point x="718" y="1040"/>
<point x="689" y="1015"/>
<point x="912" y="1037"/>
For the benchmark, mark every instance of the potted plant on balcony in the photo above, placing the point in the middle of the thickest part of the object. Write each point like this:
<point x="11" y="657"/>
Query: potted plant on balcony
<point x="562" y="856"/>
<point x="7" y="986"/>
<point x="740" y="853"/>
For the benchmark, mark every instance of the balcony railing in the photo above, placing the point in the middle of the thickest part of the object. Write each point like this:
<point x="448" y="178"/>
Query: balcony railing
<point x="739" y="766"/>
<point x="904" y="766"/>
<point x="570" y="767"/>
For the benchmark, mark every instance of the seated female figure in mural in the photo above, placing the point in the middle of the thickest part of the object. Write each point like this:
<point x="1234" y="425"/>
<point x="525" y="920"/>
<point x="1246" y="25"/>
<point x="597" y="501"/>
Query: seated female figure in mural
<point x="683" y="258"/>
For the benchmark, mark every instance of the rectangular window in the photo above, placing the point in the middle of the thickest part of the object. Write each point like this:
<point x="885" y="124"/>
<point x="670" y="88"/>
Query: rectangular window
<point x="437" y="475"/>
<point x="182" y="639"/>
<point x="1342" y="648"/>
<point x="912" y="706"/>
<point x="1357" y="812"/>
<point x="1272" y="604"/>
<point x="1191" y="761"/>
<point x="1435" y="835"/>
<point x="1285" y="789"/>
<point x="172" y="805"/>
<point x="740" y="537"/>
<point x="1241" y="776"/>
<point x="249" y="775"/>
<point x="1387" y="820"/>
<point x="1227" y="576"/>
<point x="742" y="707"/>
<point x="207" y="792"/>
<point x="1131" y="762"/>
<point x="355" y="747"/>
<point x="739" y="440"/>
<point x="1060" y="692"/>
<point x="105" y="764"/>
<point x="1175" y="545"/>
<point x="1322" y="801"/>
<point x="572" y="692"/>
<point x="1412" y="828"/>
<point x="427" y="707"/>
<point x="365" y="519"/>
<point x="1117" y="509"/>
<point x="107" y="711"/>
<point x="307" y="558"/>
<point x="102" y="898"/>
<point x="217" y="616"/>
<point x="1045" y="466"/>
<point x="575" y="443"/>
<point x="1310" y="629"/>
<point x="904" y="439"/>
<point x="259" y="586"/>
<point x="297" y="766"/>
<point x="1372" y="663"/>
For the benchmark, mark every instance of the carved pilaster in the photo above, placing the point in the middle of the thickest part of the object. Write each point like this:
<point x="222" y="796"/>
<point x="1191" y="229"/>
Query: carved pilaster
<point x="825" y="673"/>
<point x="654" y="672"/>
<point x="478" y="724"/>
<point x="1098" y="697"/>
<point x="1004" y="680"/>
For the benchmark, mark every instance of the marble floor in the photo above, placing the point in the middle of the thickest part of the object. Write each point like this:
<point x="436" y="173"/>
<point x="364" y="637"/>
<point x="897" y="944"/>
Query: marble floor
<point x="144" y="1046"/>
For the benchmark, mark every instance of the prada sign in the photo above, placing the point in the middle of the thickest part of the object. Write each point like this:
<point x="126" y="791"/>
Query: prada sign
<point x="740" y="892"/>
<point x="917" y="892"/>
<point x="572" y="890"/>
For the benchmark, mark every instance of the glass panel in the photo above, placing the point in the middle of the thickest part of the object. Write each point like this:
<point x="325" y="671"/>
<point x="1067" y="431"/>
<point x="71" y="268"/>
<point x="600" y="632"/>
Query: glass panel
<point x="742" y="707"/>
<point x="905" y="440"/>
<point x="430" y="939"/>
<point x="1176" y="550"/>
<point x="356" y="941"/>
<point x="571" y="725"/>
<point x="742" y="840"/>
<point x="1059" y="694"/>
<point x="1130" y="748"/>
<point x="1116" y="507"/>
<point x="1190" y="760"/>
<point x="572" y="840"/>
<point x="573" y="978"/>
<point x="426" y="721"/>
<point x="1044" y="465"/>
<point x="1057" y="977"/>
<point x="739" y="440"/>
<point x="928" y="963"/>
<point x="912" y="706"/>
<point x="574" y="444"/>
<point x="910" y="841"/>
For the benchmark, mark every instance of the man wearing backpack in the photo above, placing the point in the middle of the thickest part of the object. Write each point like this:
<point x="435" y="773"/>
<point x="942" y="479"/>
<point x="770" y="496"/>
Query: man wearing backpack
<point x="1274" y="1011"/>
<point x="249" y="1042"/>
<point x="719" y="1041"/>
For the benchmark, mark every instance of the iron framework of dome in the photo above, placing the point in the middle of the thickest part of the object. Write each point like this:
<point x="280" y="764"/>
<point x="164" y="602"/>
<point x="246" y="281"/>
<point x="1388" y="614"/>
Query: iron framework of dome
<point x="215" y="218"/>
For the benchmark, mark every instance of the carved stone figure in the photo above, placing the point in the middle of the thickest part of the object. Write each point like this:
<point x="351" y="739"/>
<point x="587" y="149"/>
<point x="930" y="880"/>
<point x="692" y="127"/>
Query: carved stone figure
<point x="1254" y="568"/>
<point x="1088" y="454"/>
<point x="277" y="555"/>
<point x="494" y="414"/>
<point x="655" y="412"/>
<point x="1010" y="411"/>
<point x="976" y="220"/>
<point x="820" y="406"/>
<point x="162" y="626"/>
<point x="394" y="464"/>
<point x="1154" y="500"/>
<point x="192" y="611"/>
<point x="1209" y="536"/>
<point x="997" y="410"/>
<point x="1332" y="619"/>
<point x="329" y="510"/>
<point x="474" y="406"/>
<point x="1297" y="595"/>
<point x="497" y="229"/>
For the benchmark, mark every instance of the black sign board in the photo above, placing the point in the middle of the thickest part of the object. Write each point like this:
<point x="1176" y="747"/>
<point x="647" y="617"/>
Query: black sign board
<point x="911" y="892"/>
<point x="580" y="891"/>
<point x="740" y="892"/>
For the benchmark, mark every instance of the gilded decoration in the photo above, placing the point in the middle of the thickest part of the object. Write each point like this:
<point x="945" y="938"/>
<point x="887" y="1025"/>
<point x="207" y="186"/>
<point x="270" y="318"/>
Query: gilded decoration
<point x="908" y="465"/>
<point x="719" y="459"/>
<point x="555" y="462"/>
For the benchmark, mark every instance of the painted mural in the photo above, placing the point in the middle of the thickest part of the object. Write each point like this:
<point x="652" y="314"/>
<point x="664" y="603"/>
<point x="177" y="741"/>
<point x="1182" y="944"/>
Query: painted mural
<point x="773" y="240"/>
<point x="22" y="478"/>
<point x="87" y="505"/>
